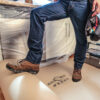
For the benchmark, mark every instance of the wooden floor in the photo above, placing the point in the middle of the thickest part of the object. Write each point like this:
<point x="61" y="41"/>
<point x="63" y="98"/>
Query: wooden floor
<point x="58" y="78"/>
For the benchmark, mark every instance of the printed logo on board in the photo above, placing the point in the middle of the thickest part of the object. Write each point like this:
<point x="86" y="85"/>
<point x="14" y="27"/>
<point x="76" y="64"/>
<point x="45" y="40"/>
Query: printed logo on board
<point x="58" y="80"/>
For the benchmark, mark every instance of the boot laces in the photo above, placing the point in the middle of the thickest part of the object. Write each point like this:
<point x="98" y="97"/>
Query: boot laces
<point x="20" y="61"/>
<point x="77" y="71"/>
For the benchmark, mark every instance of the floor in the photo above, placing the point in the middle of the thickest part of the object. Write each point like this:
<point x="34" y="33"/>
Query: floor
<point x="58" y="78"/>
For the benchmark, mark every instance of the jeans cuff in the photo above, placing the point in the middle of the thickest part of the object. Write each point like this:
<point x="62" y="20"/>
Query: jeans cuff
<point x="78" y="65"/>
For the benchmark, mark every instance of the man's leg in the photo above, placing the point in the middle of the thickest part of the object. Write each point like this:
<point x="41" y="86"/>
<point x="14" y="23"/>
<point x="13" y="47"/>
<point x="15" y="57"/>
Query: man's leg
<point x="38" y="16"/>
<point x="78" y="16"/>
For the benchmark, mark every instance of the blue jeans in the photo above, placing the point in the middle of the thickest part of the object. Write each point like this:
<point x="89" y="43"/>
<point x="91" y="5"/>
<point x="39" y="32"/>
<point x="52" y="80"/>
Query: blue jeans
<point x="77" y="10"/>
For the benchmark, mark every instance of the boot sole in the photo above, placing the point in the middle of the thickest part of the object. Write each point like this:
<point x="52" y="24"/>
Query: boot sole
<point x="76" y="80"/>
<point x="20" y="71"/>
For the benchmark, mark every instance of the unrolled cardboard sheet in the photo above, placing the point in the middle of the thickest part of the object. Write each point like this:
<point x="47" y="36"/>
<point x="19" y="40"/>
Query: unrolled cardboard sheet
<point x="56" y="79"/>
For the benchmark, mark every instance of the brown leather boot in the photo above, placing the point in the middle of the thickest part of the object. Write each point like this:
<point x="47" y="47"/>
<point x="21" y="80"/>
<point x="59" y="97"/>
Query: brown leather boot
<point x="23" y="66"/>
<point x="76" y="75"/>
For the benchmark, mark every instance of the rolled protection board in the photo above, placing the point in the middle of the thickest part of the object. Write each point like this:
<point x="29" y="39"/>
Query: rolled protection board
<point x="23" y="86"/>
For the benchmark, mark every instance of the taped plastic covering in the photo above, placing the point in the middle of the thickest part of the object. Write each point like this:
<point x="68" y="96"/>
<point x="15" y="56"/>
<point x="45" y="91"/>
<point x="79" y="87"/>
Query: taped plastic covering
<point x="14" y="25"/>
<point x="58" y="42"/>
<point x="93" y="53"/>
<point x="94" y="48"/>
<point x="0" y="49"/>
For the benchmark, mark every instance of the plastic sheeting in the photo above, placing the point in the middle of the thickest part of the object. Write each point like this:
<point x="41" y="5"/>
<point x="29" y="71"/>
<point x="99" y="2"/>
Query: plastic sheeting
<point x="0" y="49"/>
<point x="58" y="42"/>
<point x="94" y="48"/>
<point x="14" y="28"/>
